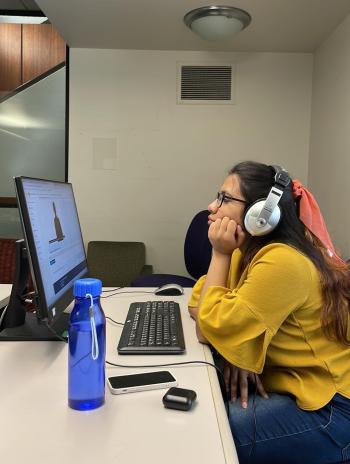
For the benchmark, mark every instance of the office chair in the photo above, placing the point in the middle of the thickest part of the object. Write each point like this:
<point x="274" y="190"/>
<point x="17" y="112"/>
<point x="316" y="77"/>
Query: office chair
<point x="117" y="263"/>
<point x="197" y="254"/>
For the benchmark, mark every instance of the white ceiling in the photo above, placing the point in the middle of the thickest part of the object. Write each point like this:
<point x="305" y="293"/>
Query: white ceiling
<point x="277" y="25"/>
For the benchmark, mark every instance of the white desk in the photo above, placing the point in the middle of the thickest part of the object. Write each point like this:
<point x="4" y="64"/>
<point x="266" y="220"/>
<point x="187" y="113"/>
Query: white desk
<point x="5" y="291"/>
<point x="38" y="426"/>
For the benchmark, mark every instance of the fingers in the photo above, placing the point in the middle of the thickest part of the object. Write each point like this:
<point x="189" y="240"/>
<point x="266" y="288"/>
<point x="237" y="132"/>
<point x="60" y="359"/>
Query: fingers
<point x="234" y="383"/>
<point x="235" y="377"/>
<point x="260" y="387"/>
<point x="227" y="376"/>
<point x="225" y="235"/>
<point x="230" y="226"/>
<point x="224" y="225"/>
<point x="240" y="235"/>
<point x="231" y="380"/>
<point x="243" y="386"/>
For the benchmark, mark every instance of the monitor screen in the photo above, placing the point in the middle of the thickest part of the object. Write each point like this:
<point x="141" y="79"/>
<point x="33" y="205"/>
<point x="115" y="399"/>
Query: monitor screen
<point x="53" y="241"/>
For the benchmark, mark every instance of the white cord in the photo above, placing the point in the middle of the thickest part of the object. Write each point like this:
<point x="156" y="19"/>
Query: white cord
<point x="94" y="342"/>
<point x="3" y="314"/>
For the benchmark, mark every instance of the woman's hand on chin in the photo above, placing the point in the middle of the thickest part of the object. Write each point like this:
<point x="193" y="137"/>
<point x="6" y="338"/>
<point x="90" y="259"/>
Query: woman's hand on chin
<point x="225" y="235"/>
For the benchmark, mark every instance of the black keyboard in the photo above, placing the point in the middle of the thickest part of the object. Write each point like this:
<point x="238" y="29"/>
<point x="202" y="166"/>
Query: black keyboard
<point x="152" y="327"/>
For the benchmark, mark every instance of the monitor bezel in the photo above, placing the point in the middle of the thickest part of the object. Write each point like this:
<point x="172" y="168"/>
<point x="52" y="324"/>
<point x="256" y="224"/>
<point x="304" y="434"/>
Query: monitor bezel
<point x="43" y="310"/>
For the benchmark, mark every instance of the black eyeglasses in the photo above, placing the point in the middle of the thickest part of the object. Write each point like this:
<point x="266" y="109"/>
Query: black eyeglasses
<point x="223" y="197"/>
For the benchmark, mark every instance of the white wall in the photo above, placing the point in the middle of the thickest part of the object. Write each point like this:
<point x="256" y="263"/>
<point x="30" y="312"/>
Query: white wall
<point x="329" y="164"/>
<point x="171" y="159"/>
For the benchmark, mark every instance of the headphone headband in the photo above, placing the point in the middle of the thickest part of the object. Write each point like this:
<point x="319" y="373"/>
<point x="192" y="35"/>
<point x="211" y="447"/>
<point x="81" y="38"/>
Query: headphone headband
<point x="281" y="176"/>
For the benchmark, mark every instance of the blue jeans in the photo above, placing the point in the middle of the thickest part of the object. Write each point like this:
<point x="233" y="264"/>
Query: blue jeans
<point x="282" y="433"/>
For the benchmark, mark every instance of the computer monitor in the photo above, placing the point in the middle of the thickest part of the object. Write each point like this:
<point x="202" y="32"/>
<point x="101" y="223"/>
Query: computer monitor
<point x="54" y="249"/>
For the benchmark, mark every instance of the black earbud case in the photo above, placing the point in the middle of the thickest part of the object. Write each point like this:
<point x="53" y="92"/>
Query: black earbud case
<point x="179" y="398"/>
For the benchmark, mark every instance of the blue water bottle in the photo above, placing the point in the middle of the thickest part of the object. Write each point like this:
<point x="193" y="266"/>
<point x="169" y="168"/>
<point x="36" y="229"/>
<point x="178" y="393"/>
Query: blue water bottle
<point x="86" y="347"/>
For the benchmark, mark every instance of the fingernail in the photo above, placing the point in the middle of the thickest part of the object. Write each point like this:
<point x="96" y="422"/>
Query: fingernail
<point x="233" y="398"/>
<point x="266" y="396"/>
<point x="244" y="405"/>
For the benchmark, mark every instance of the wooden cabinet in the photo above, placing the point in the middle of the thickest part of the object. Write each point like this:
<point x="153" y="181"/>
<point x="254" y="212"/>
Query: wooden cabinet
<point x="43" y="49"/>
<point x="26" y="52"/>
<point x="10" y="57"/>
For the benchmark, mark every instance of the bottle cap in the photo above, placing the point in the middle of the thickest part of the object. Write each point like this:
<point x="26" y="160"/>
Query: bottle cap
<point x="84" y="286"/>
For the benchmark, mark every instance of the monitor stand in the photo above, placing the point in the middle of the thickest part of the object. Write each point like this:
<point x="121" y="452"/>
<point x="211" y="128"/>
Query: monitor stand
<point x="33" y="330"/>
<point x="19" y="324"/>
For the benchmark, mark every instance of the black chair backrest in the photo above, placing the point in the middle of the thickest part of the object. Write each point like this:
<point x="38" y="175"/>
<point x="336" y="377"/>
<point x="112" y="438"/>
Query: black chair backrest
<point x="197" y="248"/>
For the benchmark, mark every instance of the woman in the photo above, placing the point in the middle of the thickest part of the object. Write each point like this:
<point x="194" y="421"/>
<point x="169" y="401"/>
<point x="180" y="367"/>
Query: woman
<point x="277" y="305"/>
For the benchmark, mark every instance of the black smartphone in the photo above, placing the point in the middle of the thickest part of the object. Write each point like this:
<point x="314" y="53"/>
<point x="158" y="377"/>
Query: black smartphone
<point x="142" y="381"/>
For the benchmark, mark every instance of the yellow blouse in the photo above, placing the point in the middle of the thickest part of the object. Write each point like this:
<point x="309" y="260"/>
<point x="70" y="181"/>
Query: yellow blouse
<point x="268" y="321"/>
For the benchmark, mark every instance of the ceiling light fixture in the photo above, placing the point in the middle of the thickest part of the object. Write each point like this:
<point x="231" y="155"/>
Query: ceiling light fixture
<point x="22" y="17"/>
<point x="217" y="22"/>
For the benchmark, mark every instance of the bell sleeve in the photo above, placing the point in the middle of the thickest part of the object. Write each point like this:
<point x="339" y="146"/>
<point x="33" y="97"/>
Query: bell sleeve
<point x="196" y="292"/>
<point x="241" y="322"/>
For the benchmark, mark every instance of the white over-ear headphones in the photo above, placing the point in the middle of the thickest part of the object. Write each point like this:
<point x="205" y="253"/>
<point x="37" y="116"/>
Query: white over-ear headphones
<point x="264" y="215"/>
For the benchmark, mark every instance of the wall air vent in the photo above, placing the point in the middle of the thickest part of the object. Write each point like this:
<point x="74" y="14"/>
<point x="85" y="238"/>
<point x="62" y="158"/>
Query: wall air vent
<point x="205" y="84"/>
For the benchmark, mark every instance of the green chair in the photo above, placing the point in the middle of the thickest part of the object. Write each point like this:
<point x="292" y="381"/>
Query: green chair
<point x="117" y="263"/>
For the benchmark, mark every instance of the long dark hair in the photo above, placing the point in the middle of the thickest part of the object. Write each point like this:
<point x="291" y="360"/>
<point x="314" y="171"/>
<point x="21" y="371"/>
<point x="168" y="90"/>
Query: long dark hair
<point x="256" y="180"/>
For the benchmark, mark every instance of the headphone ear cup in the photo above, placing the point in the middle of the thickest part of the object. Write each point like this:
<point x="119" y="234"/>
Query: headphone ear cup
<point x="252" y="214"/>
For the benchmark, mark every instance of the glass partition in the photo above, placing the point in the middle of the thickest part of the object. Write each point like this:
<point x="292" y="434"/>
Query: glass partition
<point x="32" y="141"/>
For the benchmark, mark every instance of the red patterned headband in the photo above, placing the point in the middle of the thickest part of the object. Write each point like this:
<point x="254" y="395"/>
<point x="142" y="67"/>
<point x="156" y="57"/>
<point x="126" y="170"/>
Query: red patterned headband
<point x="310" y="215"/>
